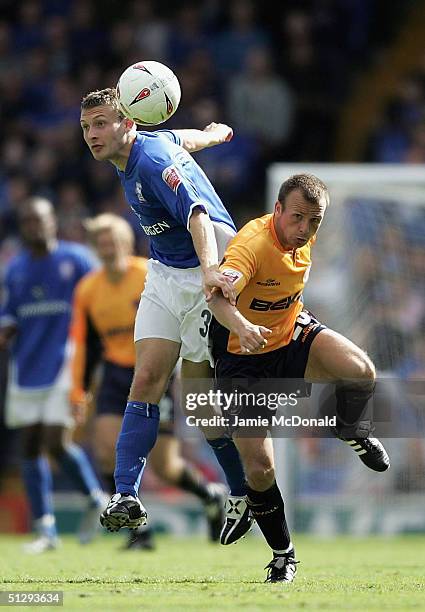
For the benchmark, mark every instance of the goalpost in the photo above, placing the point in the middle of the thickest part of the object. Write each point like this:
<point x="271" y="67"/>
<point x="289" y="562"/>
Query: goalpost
<point x="368" y="283"/>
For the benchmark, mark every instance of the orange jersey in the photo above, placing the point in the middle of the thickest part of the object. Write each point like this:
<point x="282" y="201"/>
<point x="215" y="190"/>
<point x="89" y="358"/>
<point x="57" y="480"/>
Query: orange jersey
<point x="105" y="311"/>
<point x="269" y="280"/>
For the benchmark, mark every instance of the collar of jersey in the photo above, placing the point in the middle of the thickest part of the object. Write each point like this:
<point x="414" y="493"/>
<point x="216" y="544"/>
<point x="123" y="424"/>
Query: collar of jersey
<point x="132" y="158"/>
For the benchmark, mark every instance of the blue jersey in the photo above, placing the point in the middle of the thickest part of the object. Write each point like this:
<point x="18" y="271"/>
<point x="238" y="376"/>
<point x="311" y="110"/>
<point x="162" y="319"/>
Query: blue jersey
<point x="38" y="301"/>
<point x="163" y="184"/>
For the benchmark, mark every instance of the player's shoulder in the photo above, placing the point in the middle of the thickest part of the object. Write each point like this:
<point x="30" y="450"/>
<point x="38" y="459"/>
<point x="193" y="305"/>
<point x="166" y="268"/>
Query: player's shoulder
<point x="139" y="264"/>
<point x="73" y="249"/>
<point x="253" y="233"/>
<point x="16" y="263"/>
<point x="160" y="145"/>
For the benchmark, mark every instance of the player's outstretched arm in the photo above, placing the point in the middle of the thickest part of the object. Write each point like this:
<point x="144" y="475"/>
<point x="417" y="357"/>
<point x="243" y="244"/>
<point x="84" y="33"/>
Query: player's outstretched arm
<point x="213" y="134"/>
<point x="204" y="242"/>
<point x="252" y="337"/>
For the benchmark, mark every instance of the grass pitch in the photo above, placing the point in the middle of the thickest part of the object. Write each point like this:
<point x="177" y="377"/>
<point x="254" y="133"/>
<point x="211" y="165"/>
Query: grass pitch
<point x="190" y="574"/>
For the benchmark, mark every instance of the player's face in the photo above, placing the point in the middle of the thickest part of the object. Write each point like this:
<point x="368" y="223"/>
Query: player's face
<point x="104" y="131"/>
<point x="297" y="220"/>
<point x="107" y="247"/>
<point x="37" y="225"/>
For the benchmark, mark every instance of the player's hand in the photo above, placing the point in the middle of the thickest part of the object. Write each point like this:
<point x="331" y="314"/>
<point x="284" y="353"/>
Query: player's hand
<point x="253" y="338"/>
<point x="220" y="133"/>
<point x="79" y="412"/>
<point x="213" y="280"/>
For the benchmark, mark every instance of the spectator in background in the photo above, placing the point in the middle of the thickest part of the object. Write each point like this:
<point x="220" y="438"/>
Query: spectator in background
<point x="233" y="170"/>
<point x="260" y="103"/>
<point x="232" y="45"/>
<point x="152" y="32"/>
<point x="188" y="36"/>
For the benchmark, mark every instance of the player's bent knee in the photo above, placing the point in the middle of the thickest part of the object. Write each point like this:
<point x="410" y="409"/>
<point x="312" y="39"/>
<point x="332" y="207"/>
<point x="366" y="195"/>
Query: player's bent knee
<point x="260" y="476"/>
<point x="365" y="370"/>
<point x="145" y="380"/>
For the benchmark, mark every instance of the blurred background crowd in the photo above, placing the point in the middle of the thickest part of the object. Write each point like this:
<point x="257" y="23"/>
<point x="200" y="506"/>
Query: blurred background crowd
<point x="305" y="81"/>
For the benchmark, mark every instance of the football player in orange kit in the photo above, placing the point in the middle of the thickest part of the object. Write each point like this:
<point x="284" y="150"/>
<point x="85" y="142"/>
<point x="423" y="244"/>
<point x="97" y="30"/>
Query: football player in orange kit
<point x="105" y="305"/>
<point x="269" y="334"/>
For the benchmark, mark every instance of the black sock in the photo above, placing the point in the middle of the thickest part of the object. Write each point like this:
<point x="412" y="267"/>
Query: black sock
<point x="192" y="481"/>
<point x="351" y="406"/>
<point x="267" y="508"/>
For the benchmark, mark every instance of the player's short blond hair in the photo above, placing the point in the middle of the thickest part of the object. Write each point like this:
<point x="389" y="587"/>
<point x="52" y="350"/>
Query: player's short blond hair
<point x="119" y="228"/>
<point x="102" y="97"/>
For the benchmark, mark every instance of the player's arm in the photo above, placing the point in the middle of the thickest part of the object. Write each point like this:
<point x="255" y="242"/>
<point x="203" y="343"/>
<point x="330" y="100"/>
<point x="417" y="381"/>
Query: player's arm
<point x="85" y="357"/>
<point x="6" y="334"/>
<point x="204" y="242"/>
<point x="240" y="265"/>
<point x="252" y="337"/>
<point x="8" y="312"/>
<point x="213" y="134"/>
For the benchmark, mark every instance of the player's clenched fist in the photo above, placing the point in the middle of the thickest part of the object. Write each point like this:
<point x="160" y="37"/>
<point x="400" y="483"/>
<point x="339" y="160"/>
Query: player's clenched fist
<point x="222" y="133"/>
<point x="253" y="338"/>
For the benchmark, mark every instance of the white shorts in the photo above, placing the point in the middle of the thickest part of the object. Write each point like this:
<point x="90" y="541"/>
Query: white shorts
<point x="173" y="307"/>
<point x="49" y="405"/>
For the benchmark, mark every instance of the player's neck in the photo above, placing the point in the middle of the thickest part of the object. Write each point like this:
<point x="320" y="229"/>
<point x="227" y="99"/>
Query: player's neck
<point x="116" y="270"/>
<point x="121" y="159"/>
<point x="41" y="250"/>
<point x="279" y="238"/>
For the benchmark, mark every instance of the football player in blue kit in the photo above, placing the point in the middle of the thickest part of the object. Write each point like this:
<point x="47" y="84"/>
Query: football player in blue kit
<point x="35" y="319"/>
<point x="189" y="228"/>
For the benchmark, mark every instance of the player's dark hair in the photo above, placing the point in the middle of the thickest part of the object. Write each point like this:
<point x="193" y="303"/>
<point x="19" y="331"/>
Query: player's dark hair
<point x="312" y="188"/>
<point x="102" y="97"/>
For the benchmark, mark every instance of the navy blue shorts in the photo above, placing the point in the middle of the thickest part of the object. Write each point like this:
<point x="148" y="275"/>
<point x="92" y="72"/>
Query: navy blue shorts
<point x="113" y="393"/>
<point x="248" y="372"/>
<point x="289" y="361"/>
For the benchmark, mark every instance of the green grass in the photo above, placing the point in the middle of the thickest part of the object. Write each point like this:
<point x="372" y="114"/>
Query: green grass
<point x="190" y="574"/>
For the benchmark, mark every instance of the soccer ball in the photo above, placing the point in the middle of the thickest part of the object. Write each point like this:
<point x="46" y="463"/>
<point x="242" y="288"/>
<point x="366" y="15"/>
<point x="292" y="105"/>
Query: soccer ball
<point x="148" y="93"/>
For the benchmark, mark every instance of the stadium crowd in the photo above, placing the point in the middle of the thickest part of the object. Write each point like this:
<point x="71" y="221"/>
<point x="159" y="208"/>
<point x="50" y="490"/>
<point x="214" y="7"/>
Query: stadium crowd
<point x="278" y="79"/>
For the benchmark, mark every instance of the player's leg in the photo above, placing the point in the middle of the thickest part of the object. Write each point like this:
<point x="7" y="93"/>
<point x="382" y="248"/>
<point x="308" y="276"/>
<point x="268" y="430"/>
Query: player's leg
<point x="266" y="503"/>
<point x="334" y="358"/>
<point x="73" y="461"/>
<point x="169" y="464"/>
<point x="155" y="361"/>
<point x="24" y="411"/>
<point x="106" y="430"/>
<point x="111" y="400"/>
<point x="37" y="479"/>
<point x="238" y="520"/>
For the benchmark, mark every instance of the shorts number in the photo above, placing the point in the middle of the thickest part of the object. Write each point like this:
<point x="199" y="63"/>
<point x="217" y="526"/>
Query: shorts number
<point x="206" y="315"/>
<point x="303" y="320"/>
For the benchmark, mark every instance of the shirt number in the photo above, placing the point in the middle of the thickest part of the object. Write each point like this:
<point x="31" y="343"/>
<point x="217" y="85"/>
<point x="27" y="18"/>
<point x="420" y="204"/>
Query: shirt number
<point x="206" y="316"/>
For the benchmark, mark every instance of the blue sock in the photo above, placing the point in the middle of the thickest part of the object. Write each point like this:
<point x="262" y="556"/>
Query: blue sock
<point x="76" y="464"/>
<point x="138" y="435"/>
<point x="228" y="457"/>
<point x="37" y="478"/>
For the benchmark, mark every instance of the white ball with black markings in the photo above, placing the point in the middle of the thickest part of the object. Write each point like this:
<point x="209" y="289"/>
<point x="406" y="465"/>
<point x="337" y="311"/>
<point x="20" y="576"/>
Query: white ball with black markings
<point x="148" y="92"/>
